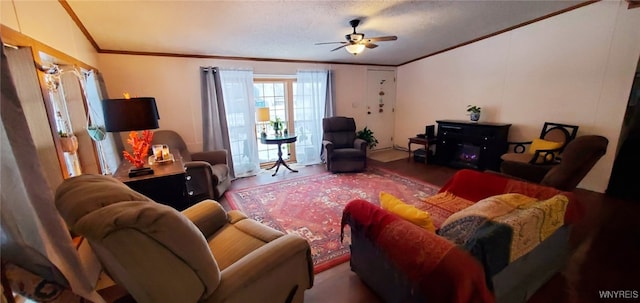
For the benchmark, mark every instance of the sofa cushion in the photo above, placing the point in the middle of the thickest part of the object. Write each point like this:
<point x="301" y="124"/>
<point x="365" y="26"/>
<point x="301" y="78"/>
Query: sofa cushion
<point x="347" y="154"/>
<point x="239" y="238"/>
<point x="448" y="201"/>
<point x="406" y="211"/>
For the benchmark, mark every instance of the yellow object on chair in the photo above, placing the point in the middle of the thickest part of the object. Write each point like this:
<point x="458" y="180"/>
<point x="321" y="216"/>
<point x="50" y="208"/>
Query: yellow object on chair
<point x="537" y="144"/>
<point x="541" y="144"/>
<point x="406" y="211"/>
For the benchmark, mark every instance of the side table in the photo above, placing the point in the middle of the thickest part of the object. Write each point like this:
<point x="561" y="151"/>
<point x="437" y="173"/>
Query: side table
<point x="279" y="140"/>
<point x="421" y="141"/>
<point x="167" y="185"/>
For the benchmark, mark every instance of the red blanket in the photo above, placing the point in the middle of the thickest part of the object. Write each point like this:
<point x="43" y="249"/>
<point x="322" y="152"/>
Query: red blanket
<point x="441" y="271"/>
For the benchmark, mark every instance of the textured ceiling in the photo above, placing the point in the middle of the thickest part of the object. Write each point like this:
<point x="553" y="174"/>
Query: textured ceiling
<point x="288" y="30"/>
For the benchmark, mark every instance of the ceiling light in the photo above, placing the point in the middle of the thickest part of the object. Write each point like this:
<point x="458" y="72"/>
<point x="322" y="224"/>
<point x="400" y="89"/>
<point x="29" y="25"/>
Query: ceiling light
<point x="354" y="48"/>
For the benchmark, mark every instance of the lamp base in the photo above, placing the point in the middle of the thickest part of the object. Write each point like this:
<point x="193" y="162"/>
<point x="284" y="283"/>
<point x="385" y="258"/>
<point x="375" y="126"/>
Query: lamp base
<point x="135" y="172"/>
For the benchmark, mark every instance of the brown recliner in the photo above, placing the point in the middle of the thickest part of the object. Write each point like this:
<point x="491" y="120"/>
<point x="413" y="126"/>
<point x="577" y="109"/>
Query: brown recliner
<point x="208" y="175"/>
<point x="342" y="151"/>
<point x="202" y="254"/>
<point x="577" y="159"/>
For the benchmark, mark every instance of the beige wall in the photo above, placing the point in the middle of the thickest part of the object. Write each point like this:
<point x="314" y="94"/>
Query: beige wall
<point x="175" y="83"/>
<point x="574" y="68"/>
<point x="48" y="22"/>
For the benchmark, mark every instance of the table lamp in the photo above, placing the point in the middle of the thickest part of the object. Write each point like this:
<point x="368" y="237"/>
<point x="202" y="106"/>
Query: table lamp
<point x="132" y="115"/>
<point x="263" y="116"/>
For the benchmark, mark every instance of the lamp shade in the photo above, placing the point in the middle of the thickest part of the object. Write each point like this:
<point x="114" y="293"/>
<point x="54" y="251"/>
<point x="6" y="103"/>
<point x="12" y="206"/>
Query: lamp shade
<point x="262" y="114"/>
<point x="130" y="114"/>
<point x="354" y="48"/>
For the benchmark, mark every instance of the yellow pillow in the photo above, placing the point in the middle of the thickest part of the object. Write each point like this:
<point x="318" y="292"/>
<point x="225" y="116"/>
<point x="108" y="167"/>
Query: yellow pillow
<point x="537" y="144"/>
<point x="406" y="211"/>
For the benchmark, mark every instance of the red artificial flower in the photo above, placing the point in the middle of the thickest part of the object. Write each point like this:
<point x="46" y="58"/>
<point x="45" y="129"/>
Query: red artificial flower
<point x="141" y="145"/>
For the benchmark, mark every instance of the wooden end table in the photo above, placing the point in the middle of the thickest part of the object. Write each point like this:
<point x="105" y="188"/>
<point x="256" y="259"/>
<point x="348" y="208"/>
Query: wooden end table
<point x="421" y="141"/>
<point x="167" y="184"/>
<point x="279" y="140"/>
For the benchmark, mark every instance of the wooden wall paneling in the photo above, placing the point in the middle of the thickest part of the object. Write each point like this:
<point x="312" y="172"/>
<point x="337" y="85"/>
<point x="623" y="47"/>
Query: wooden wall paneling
<point x="38" y="50"/>
<point x="25" y="79"/>
<point x="13" y="37"/>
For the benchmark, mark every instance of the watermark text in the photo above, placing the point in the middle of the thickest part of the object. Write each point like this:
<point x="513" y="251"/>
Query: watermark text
<point x="619" y="294"/>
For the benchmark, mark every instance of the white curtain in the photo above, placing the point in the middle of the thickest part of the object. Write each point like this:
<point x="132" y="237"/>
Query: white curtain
<point x="108" y="153"/>
<point x="309" y="108"/>
<point x="237" y="91"/>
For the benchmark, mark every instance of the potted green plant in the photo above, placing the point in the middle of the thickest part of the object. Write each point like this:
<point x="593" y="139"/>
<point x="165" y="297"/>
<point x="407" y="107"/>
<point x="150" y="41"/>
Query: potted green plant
<point x="277" y="125"/>
<point x="474" y="112"/>
<point x="367" y="135"/>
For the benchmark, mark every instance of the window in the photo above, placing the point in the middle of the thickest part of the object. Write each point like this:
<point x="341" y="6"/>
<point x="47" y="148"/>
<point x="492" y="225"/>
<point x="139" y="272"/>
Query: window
<point x="68" y="140"/>
<point x="277" y="95"/>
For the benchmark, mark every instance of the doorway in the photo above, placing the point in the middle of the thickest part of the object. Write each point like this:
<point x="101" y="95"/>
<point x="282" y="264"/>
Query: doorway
<point x="277" y="96"/>
<point x="380" y="101"/>
<point x="626" y="163"/>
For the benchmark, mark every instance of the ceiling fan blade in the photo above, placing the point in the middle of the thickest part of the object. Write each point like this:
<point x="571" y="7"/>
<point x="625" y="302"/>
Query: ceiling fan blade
<point x="339" y="47"/>
<point x="370" y="45"/>
<point x="385" y="38"/>
<point x="321" y="43"/>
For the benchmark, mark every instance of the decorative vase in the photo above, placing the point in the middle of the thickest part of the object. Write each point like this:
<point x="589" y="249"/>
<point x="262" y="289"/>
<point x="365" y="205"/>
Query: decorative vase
<point x="97" y="133"/>
<point x="474" y="117"/>
<point x="276" y="129"/>
<point x="69" y="144"/>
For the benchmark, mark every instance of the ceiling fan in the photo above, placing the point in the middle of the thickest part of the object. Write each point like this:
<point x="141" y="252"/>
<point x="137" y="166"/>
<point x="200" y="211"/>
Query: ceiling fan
<point x="356" y="42"/>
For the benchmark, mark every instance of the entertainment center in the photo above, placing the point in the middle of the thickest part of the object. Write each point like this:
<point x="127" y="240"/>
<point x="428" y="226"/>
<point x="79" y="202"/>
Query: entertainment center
<point x="466" y="144"/>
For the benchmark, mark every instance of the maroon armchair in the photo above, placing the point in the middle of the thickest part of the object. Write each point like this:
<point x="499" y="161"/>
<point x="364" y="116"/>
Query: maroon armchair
<point x="342" y="151"/>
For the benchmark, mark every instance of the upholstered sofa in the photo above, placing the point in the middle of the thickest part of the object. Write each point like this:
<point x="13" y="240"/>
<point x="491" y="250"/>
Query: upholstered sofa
<point x="403" y="262"/>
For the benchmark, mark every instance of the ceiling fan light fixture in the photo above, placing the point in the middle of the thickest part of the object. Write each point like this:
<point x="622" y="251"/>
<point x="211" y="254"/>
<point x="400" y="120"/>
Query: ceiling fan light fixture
<point x="355" y="37"/>
<point x="354" y="48"/>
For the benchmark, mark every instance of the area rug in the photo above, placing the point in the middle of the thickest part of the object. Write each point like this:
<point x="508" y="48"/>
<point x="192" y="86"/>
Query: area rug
<point x="312" y="206"/>
<point x="388" y="155"/>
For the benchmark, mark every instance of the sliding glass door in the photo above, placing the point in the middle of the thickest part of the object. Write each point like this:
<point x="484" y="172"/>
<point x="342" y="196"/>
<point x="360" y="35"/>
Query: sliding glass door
<point x="277" y="95"/>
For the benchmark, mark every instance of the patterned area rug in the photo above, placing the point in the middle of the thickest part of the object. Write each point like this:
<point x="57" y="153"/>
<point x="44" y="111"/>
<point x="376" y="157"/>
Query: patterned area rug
<point x="312" y="206"/>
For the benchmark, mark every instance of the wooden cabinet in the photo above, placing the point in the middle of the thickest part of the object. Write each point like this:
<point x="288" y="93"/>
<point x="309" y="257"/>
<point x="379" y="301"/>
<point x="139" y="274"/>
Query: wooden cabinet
<point x="167" y="185"/>
<point x="476" y="145"/>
